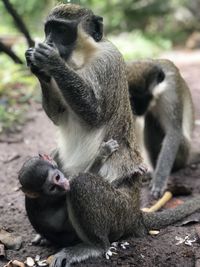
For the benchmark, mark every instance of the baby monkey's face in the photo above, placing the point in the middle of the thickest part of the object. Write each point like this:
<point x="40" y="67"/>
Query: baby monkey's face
<point x="56" y="183"/>
<point x="41" y="177"/>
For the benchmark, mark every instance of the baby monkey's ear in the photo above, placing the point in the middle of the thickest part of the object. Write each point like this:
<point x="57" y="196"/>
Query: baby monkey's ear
<point x="48" y="159"/>
<point x="29" y="193"/>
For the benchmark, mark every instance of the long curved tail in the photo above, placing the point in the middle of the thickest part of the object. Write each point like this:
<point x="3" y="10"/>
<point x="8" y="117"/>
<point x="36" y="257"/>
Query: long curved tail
<point x="157" y="220"/>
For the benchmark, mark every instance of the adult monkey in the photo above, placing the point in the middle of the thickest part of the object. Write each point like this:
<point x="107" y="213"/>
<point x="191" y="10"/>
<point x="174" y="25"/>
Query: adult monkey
<point x="85" y="92"/>
<point x="160" y="95"/>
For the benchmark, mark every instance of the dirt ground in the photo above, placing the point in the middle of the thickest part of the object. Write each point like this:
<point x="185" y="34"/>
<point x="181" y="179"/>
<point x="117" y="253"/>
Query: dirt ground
<point x="37" y="135"/>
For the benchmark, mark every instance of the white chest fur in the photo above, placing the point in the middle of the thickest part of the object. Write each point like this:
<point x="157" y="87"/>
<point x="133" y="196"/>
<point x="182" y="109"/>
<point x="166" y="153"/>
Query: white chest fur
<point x="78" y="145"/>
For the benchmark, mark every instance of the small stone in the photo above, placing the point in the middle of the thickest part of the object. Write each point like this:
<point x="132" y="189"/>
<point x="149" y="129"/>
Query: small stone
<point x="9" y="240"/>
<point x="42" y="263"/>
<point x="154" y="232"/>
<point x="37" y="258"/>
<point x="30" y="262"/>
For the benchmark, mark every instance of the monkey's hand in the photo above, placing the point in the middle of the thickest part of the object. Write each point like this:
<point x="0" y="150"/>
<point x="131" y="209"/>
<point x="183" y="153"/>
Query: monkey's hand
<point x="41" y="75"/>
<point x="46" y="57"/>
<point x="157" y="188"/>
<point x="109" y="147"/>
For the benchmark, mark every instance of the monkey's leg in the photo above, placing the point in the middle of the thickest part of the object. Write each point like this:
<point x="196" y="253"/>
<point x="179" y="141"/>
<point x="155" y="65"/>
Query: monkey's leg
<point x="182" y="157"/>
<point x="77" y="253"/>
<point x="165" y="161"/>
<point x="153" y="137"/>
<point x="168" y="146"/>
<point x="106" y="150"/>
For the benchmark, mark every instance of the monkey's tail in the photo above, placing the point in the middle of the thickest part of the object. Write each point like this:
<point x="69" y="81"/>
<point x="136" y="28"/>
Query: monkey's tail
<point x="157" y="220"/>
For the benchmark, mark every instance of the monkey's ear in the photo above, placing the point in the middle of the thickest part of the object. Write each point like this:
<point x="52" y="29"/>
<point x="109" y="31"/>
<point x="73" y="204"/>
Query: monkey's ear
<point x="29" y="193"/>
<point x="97" y="28"/>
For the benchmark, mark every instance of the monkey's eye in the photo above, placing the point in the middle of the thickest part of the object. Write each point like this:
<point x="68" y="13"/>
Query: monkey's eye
<point x="57" y="178"/>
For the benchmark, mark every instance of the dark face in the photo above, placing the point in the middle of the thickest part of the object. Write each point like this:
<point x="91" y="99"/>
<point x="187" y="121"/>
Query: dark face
<point x="62" y="32"/>
<point x="141" y="91"/>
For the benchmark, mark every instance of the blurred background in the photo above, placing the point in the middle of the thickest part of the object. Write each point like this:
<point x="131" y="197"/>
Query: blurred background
<point x="139" y="28"/>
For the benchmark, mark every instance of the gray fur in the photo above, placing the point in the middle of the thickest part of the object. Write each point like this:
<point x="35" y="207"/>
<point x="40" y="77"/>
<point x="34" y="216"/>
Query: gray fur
<point x="168" y="116"/>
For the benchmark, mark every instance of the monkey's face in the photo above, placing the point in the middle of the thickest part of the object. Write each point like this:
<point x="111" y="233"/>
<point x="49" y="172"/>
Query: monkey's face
<point x="63" y="25"/>
<point x="62" y="34"/>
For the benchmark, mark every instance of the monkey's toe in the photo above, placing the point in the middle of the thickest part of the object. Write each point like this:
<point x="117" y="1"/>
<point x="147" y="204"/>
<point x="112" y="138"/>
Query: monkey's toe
<point x="110" y="252"/>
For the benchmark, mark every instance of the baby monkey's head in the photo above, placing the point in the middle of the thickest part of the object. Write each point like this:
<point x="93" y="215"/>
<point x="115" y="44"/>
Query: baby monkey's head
<point x="40" y="177"/>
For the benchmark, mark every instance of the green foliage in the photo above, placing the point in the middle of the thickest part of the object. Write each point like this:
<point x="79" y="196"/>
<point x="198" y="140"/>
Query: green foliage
<point x="17" y="89"/>
<point x="136" y="45"/>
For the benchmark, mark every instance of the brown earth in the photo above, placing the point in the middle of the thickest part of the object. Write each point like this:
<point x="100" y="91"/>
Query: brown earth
<point x="37" y="135"/>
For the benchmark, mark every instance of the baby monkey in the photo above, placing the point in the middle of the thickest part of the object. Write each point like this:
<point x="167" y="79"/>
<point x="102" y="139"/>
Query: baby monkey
<point x="99" y="212"/>
<point x="45" y="188"/>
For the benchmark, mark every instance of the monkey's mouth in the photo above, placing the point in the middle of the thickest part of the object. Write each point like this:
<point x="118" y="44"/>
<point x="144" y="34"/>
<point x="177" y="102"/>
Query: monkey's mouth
<point x="61" y="183"/>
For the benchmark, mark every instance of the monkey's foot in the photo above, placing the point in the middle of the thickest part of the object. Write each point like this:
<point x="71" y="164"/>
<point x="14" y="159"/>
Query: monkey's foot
<point x="123" y="244"/>
<point x="38" y="240"/>
<point x="110" y="252"/>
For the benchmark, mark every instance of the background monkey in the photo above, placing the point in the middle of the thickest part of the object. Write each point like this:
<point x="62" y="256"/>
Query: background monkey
<point x="160" y="94"/>
<point x="99" y="212"/>
<point x="85" y="92"/>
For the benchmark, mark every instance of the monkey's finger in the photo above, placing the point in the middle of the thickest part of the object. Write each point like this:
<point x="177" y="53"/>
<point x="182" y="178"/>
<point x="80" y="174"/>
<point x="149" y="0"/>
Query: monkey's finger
<point x="29" y="55"/>
<point x="39" y="58"/>
<point x="29" y="51"/>
<point x="46" y="47"/>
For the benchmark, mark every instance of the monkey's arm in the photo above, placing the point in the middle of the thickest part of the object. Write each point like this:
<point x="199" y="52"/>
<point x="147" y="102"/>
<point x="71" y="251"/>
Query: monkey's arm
<point x="78" y="93"/>
<point x="106" y="150"/>
<point x="165" y="160"/>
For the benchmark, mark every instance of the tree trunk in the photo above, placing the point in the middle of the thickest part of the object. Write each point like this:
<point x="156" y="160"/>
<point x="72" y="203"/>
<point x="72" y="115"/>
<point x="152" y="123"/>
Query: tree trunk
<point x="10" y="53"/>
